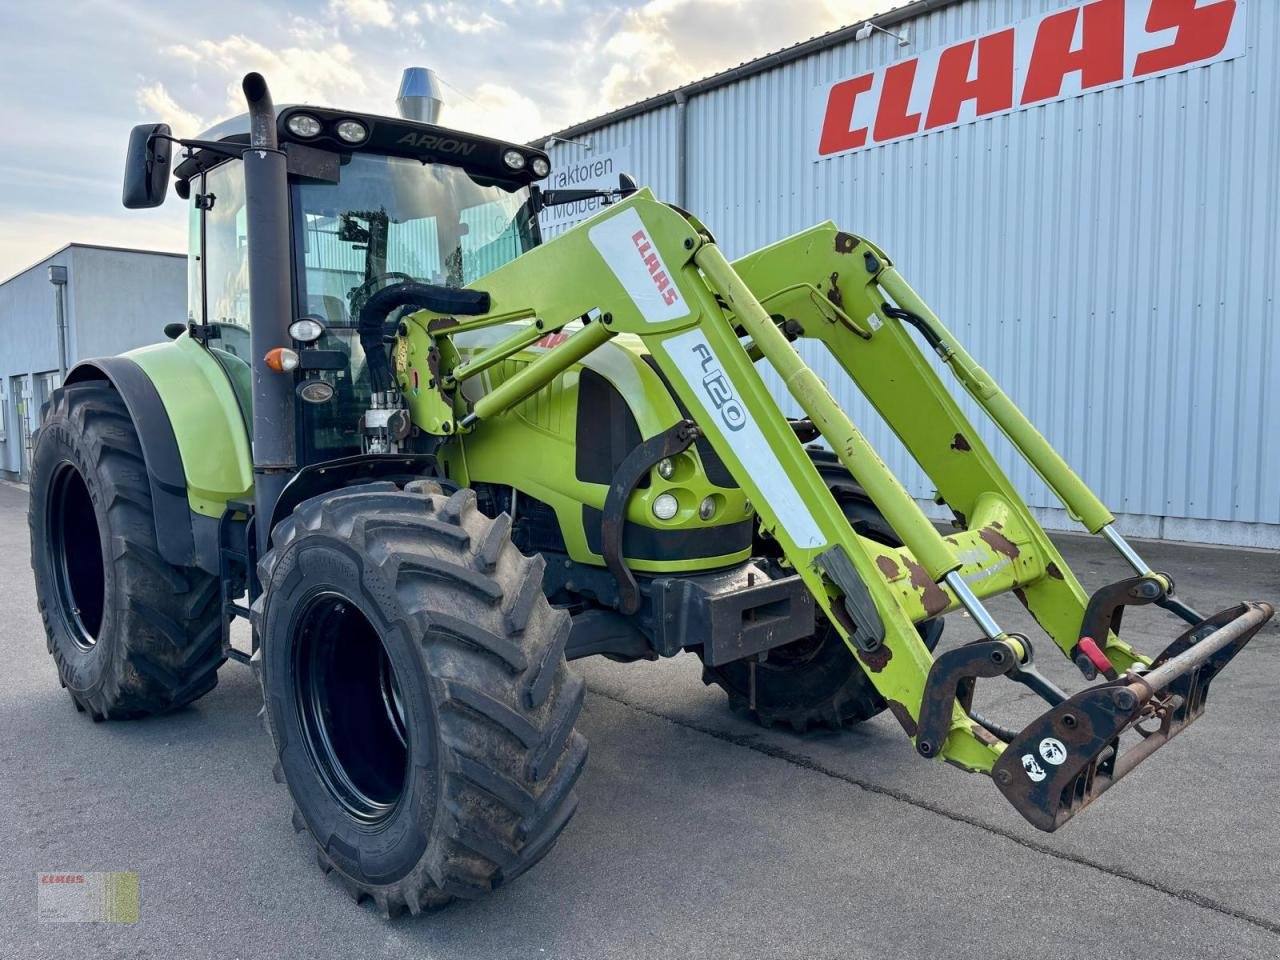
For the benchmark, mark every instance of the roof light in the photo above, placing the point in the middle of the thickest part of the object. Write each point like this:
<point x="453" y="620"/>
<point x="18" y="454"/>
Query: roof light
<point x="514" y="159"/>
<point x="306" y="330"/>
<point x="304" y="125"/>
<point x="540" y="167"/>
<point x="353" y="131"/>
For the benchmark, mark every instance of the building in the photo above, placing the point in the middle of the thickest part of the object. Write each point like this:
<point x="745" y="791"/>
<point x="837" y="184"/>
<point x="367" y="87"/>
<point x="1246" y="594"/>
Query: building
<point x="1085" y="192"/>
<point x="108" y="299"/>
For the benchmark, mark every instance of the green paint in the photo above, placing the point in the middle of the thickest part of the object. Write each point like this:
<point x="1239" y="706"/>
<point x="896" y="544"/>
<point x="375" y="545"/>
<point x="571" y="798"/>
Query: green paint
<point x="201" y="402"/>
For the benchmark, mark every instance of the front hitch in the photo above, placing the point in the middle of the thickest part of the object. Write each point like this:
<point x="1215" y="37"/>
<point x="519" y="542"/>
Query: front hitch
<point x="1068" y="757"/>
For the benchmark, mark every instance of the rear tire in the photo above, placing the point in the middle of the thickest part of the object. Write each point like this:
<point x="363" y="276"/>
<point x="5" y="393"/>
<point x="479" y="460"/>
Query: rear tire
<point x="816" y="681"/>
<point x="131" y="634"/>
<point x="417" y="693"/>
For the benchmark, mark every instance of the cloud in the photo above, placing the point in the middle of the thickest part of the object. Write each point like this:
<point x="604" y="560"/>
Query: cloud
<point x="461" y="17"/>
<point x="155" y="101"/>
<point x="329" y="74"/>
<point x="495" y="110"/>
<point x="375" y="13"/>
<point x="664" y="43"/>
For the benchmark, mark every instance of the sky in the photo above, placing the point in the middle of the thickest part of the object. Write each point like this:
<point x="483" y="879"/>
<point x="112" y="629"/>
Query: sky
<point x="78" y="74"/>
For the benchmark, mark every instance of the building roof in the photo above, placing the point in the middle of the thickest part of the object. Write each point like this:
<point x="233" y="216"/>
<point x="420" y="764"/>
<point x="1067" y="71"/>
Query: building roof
<point x="750" y="68"/>
<point x="90" y="246"/>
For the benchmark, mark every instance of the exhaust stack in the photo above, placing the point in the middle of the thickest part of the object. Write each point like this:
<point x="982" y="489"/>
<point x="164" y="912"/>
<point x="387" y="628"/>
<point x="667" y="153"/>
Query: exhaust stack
<point x="420" y="96"/>
<point x="266" y="187"/>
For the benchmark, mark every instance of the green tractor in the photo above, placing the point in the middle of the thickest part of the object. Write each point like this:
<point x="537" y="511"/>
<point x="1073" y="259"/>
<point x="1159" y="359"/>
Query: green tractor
<point x="432" y="458"/>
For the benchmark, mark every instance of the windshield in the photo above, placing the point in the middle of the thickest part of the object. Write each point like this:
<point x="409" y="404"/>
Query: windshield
<point x="391" y="219"/>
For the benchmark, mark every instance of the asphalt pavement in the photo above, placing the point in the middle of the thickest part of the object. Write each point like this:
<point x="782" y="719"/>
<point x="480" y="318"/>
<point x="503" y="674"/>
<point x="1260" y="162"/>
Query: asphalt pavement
<point x="698" y="834"/>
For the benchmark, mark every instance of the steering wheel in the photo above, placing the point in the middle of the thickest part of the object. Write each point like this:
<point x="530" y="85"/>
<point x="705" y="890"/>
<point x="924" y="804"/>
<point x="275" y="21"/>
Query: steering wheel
<point x="366" y="289"/>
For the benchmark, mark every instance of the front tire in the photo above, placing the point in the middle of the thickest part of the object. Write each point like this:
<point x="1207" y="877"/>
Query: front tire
<point x="816" y="681"/>
<point x="131" y="634"/>
<point x="417" y="693"/>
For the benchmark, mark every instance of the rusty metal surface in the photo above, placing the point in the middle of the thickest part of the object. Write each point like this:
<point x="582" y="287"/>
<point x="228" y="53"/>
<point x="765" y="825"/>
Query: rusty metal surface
<point x="1069" y="756"/>
<point x="952" y="676"/>
<point x="1105" y="613"/>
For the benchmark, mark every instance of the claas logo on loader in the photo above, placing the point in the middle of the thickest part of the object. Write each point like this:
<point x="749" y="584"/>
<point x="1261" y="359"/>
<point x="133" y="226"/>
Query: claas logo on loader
<point x="666" y="288"/>
<point x="718" y="390"/>
<point x="1065" y="53"/>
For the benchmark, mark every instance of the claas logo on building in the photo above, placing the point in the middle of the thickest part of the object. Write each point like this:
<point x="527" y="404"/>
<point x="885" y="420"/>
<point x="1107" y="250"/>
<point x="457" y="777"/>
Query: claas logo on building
<point x="1086" y="47"/>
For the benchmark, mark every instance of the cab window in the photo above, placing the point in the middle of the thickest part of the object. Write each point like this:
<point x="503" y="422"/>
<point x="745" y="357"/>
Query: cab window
<point x="219" y="280"/>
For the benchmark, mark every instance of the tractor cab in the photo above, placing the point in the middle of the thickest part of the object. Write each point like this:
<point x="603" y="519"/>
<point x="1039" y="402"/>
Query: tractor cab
<point x="374" y="202"/>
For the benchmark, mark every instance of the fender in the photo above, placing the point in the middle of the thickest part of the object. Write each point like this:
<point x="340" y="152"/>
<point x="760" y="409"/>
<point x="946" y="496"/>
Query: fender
<point x="193" y="438"/>
<point x="165" y="473"/>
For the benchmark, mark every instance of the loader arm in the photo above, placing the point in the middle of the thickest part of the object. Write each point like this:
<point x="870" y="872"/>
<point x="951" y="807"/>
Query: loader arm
<point x="646" y="269"/>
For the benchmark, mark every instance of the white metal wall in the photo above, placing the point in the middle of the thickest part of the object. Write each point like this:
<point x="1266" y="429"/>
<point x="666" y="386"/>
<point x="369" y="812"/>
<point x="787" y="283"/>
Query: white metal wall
<point x="1111" y="259"/>
<point x="116" y="300"/>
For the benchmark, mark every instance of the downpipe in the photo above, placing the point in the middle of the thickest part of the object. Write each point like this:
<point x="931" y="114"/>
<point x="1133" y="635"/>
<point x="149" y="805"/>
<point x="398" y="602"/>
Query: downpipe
<point x="266" y="186"/>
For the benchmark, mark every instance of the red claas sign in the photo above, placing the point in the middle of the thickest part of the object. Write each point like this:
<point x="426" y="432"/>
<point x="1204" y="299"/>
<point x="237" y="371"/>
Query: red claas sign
<point x="1085" y="47"/>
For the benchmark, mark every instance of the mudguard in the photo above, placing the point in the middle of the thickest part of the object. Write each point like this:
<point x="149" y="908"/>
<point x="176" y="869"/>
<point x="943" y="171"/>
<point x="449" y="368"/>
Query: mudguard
<point x="193" y="440"/>
<point x="165" y="474"/>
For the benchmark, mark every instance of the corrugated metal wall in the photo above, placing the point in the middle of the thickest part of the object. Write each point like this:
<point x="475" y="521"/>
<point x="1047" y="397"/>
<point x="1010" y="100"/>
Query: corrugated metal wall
<point x="1111" y="259"/>
<point x="651" y="138"/>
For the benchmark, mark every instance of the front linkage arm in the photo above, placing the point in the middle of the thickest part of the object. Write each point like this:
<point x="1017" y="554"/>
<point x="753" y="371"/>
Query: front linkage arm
<point x="663" y="279"/>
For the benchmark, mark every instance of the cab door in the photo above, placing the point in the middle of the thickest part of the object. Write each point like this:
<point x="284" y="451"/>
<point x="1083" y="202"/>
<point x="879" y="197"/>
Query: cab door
<point x="218" y="276"/>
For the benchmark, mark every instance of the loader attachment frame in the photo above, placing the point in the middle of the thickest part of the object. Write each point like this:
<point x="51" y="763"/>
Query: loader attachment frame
<point x="710" y="325"/>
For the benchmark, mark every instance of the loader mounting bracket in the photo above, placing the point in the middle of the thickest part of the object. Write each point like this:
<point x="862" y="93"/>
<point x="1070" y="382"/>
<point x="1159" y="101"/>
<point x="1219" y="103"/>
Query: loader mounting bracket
<point x="1105" y="613"/>
<point x="952" y="675"/>
<point x="1069" y="756"/>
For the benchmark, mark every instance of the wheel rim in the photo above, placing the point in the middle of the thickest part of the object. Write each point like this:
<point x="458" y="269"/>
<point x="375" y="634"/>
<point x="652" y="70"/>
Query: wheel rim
<point x="352" y="713"/>
<point x="79" y="569"/>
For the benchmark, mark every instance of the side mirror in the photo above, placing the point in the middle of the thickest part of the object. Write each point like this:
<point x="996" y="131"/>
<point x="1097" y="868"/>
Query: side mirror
<point x="146" y="166"/>
<point x="627" y="184"/>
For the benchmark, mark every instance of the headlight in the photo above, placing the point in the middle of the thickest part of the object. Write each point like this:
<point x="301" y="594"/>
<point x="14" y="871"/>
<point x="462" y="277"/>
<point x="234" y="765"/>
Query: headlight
<point x="304" y="125"/>
<point x="353" y="131"/>
<point x="514" y="159"/>
<point x="707" y="508"/>
<point x="316" y="391"/>
<point x="306" y="330"/>
<point x="540" y="167"/>
<point x="665" y="506"/>
<point x="666" y="468"/>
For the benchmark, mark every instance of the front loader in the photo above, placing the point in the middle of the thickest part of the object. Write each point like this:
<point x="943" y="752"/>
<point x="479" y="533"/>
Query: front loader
<point x="432" y="458"/>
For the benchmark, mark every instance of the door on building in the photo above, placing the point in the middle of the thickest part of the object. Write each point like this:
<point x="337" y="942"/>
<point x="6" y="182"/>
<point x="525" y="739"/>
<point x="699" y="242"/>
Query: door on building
<point x="20" y="400"/>
<point x="33" y="401"/>
<point x="6" y="429"/>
